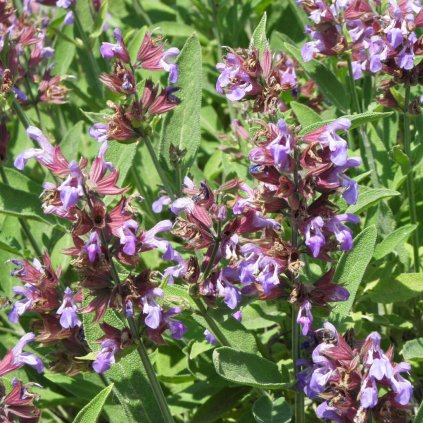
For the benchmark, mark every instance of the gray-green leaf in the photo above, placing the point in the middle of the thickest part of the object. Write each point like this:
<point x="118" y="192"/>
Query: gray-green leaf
<point x="267" y="411"/>
<point x="369" y="197"/>
<point x="91" y="412"/>
<point x="247" y="369"/>
<point x="259" y="40"/>
<point x="351" y="268"/>
<point x="393" y="240"/>
<point x="305" y="115"/>
<point x="413" y="349"/>
<point x="181" y="127"/>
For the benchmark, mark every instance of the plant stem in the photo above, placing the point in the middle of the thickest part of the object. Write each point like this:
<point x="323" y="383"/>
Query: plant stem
<point x="162" y="175"/>
<point x="151" y="374"/>
<point x="410" y="179"/>
<point x="214" y="328"/>
<point x="299" y="395"/>
<point x="21" y="114"/>
<point x="91" y="58"/>
<point x="140" y="10"/>
<point x="369" y="157"/>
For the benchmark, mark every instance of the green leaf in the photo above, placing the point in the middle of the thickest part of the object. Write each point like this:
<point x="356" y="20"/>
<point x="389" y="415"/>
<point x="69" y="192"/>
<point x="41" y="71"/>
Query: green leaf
<point x="259" y="40"/>
<point x="219" y="404"/>
<point x="91" y="412"/>
<point x="419" y="415"/>
<point x="328" y="83"/>
<point x="393" y="240"/>
<point x="413" y="349"/>
<point x="64" y="51"/>
<point x="401" y="158"/>
<point x="71" y="141"/>
<point x="247" y="369"/>
<point x="9" y="244"/>
<point x="267" y="411"/>
<point x="100" y="19"/>
<point x="122" y="158"/>
<point x="234" y="331"/>
<point x="22" y="204"/>
<point x="403" y="288"/>
<point x="351" y="267"/>
<point x="369" y="197"/>
<point x="305" y="115"/>
<point x="181" y="127"/>
<point x="356" y="121"/>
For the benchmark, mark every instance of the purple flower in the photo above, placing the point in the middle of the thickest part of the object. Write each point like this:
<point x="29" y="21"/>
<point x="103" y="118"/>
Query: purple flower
<point x="162" y="201"/>
<point x="210" y="338"/>
<point x="342" y="233"/>
<point x="66" y="4"/>
<point x="16" y="358"/>
<point x="235" y="81"/>
<point x="176" y="328"/>
<point x="402" y="387"/>
<point x="151" y="308"/>
<point x="305" y="318"/>
<point x="314" y="238"/>
<point x="44" y="155"/>
<point x="172" y="68"/>
<point x="68" y="311"/>
<point x="118" y="50"/>
<point x="20" y="307"/>
<point x="231" y="295"/>
<point x="127" y="235"/>
<point x="149" y="240"/>
<point x="93" y="247"/>
<point x="72" y="188"/>
<point x="69" y="18"/>
<point x="99" y="132"/>
<point x="106" y="356"/>
<point x="368" y="393"/>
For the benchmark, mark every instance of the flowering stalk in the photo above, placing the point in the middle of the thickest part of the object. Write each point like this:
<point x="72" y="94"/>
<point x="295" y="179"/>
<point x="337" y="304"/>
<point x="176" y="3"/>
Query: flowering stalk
<point x="410" y="178"/>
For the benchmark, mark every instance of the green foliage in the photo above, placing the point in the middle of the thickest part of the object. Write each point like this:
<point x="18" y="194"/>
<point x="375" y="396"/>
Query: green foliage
<point x="91" y="412"/>
<point x="248" y="369"/>
<point x="266" y="410"/>
<point x="393" y="240"/>
<point x="413" y="349"/>
<point x="181" y="127"/>
<point x="351" y="268"/>
<point x="259" y="38"/>
<point x="368" y="197"/>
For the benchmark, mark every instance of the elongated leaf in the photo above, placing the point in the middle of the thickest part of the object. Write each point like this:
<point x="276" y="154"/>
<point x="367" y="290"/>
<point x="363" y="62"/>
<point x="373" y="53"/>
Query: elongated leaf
<point x="122" y="157"/>
<point x="259" y="40"/>
<point x="267" y="411"/>
<point x="70" y="142"/>
<point x="403" y="288"/>
<point x="369" y="197"/>
<point x="413" y="349"/>
<point x="11" y="245"/>
<point x="356" y="121"/>
<point x="247" y="369"/>
<point x="328" y="83"/>
<point x="351" y="268"/>
<point x="393" y="240"/>
<point x="419" y="415"/>
<point x="305" y="115"/>
<point x="219" y="404"/>
<point x="181" y="127"/>
<point x="128" y="375"/>
<point x="22" y="204"/>
<point x="100" y="19"/>
<point x="91" y="412"/>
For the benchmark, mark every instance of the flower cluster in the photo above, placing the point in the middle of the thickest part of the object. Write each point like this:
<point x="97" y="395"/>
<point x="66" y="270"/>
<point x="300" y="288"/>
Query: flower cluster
<point x="132" y="116"/>
<point x="18" y="403"/>
<point x="103" y="236"/>
<point x="245" y="250"/>
<point x="378" y="42"/>
<point x="246" y="75"/>
<point x="349" y="376"/>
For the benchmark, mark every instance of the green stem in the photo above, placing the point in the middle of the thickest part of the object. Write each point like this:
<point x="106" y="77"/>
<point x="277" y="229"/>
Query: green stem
<point x="369" y="156"/>
<point x="410" y="179"/>
<point x="91" y="58"/>
<point x="21" y="114"/>
<point x="140" y="10"/>
<point x="299" y="394"/>
<point x="151" y="374"/>
<point x="167" y="185"/>
<point x="213" y="326"/>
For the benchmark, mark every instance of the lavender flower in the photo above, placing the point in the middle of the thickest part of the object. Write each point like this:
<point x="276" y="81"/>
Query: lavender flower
<point x="68" y="311"/>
